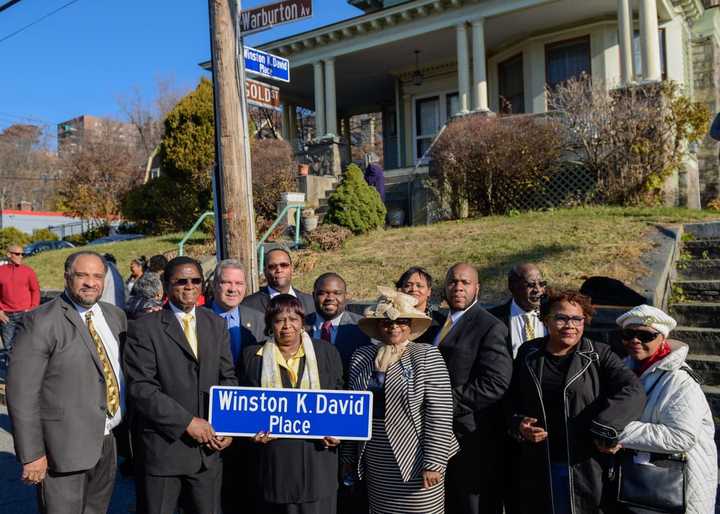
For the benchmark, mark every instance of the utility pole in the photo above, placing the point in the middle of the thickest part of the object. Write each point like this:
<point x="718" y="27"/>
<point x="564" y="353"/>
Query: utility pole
<point x="234" y="213"/>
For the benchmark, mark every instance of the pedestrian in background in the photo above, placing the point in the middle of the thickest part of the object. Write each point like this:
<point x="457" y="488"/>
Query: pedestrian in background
<point x="19" y="293"/>
<point x="375" y="175"/>
<point x="137" y="268"/>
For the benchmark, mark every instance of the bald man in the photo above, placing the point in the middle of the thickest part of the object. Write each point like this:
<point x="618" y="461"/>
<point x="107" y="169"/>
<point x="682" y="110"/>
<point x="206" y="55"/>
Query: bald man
<point x="19" y="293"/>
<point x="474" y="346"/>
<point x="521" y="313"/>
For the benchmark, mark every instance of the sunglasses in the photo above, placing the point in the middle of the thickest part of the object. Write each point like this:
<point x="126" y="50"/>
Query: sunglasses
<point x="641" y="335"/>
<point x="15" y="253"/>
<point x="196" y="281"/>
<point x="399" y="321"/>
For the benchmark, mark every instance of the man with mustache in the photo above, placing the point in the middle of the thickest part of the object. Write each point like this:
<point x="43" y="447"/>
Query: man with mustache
<point x="521" y="313"/>
<point x="65" y="392"/>
<point x="474" y="346"/>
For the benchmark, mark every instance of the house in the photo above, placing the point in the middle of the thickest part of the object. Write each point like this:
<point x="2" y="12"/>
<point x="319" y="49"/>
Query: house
<point x="419" y="62"/>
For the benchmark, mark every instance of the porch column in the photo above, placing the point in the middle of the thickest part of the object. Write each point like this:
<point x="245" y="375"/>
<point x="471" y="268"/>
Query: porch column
<point x="292" y="124"/>
<point x="480" y="93"/>
<point x="649" y="40"/>
<point x="345" y="128"/>
<point x="285" y="132"/>
<point x="319" y="100"/>
<point x="463" y="64"/>
<point x="330" y="101"/>
<point x="625" y="41"/>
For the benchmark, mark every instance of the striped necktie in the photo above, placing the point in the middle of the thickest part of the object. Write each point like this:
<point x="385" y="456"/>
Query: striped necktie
<point x="112" y="390"/>
<point x="529" y="326"/>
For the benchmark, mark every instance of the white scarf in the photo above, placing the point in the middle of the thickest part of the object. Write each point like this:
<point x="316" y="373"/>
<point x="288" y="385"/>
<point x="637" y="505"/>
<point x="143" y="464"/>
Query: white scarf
<point x="271" y="376"/>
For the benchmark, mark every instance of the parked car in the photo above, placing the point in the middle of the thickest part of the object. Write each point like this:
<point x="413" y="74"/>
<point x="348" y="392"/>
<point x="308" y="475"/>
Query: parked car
<point x="43" y="246"/>
<point x="115" y="238"/>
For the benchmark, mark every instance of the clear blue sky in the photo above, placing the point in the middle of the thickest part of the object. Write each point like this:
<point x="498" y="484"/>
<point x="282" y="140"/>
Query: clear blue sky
<point x="80" y="59"/>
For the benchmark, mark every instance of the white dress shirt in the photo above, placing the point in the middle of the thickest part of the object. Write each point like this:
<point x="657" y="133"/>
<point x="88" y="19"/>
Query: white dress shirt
<point x="334" y="324"/>
<point x="274" y="292"/>
<point x="518" y="327"/>
<point x="454" y="317"/>
<point x="112" y="349"/>
<point x="180" y="314"/>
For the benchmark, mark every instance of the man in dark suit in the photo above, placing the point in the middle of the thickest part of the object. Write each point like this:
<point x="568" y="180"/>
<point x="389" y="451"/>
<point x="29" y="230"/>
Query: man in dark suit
<point x="331" y="322"/>
<point x="473" y="344"/>
<point x="172" y="358"/>
<point x="65" y="392"/>
<point x="278" y="273"/>
<point x="520" y="314"/>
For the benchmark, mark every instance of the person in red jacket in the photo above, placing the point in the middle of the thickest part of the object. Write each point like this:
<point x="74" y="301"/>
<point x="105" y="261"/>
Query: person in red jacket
<point x="19" y="292"/>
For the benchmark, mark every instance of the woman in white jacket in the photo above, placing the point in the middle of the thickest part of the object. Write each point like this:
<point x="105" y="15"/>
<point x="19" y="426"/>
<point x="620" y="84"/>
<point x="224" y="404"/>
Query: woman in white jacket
<point x="677" y="417"/>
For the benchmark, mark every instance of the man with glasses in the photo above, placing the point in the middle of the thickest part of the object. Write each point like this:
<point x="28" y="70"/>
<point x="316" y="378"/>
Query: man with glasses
<point x="19" y="292"/>
<point x="172" y="358"/>
<point x="521" y="313"/>
<point x="278" y="273"/>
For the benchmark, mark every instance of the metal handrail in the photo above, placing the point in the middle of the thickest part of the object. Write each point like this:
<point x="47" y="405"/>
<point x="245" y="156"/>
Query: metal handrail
<point x="181" y="246"/>
<point x="298" y="208"/>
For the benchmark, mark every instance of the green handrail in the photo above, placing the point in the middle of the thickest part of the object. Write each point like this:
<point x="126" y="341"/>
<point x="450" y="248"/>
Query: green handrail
<point x="181" y="246"/>
<point x="298" y="208"/>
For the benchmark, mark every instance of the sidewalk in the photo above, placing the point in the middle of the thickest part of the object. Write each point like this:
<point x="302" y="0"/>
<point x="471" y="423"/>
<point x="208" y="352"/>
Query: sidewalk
<point x="18" y="498"/>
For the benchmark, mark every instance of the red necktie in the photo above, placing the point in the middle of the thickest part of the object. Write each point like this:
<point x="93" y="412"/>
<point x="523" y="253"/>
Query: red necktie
<point x="325" y="332"/>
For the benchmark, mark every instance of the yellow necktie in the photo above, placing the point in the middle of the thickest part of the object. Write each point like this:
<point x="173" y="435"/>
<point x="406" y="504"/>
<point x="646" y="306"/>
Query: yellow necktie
<point x="190" y="333"/>
<point x="529" y="326"/>
<point x="445" y="329"/>
<point x="112" y="390"/>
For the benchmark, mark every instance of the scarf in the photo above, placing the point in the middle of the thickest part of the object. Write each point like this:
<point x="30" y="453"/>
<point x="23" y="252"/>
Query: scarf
<point x="271" y="376"/>
<point x="662" y="352"/>
<point x="389" y="354"/>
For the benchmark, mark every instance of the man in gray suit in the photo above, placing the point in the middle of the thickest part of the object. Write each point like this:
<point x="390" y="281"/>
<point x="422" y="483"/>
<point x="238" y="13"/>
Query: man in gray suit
<point x="65" y="392"/>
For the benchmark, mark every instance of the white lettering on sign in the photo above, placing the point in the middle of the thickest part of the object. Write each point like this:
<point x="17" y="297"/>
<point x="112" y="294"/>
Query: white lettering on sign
<point x="262" y="94"/>
<point x="351" y="405"/>
<point x="231" y="400"/>
<point x="280" y="425"/>
<point x="266" y="16"/>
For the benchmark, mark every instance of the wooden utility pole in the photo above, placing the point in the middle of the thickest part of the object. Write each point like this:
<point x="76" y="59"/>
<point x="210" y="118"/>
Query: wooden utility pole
<point x="234" y="213"/>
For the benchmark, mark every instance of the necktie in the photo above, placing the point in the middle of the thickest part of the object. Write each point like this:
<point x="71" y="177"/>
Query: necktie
<point x="112" y="390"/>
<point x="529" y="326"/>
<point x="445" y="329"/>
<point x="190" y="333"/>
<point x="326" y="331"/>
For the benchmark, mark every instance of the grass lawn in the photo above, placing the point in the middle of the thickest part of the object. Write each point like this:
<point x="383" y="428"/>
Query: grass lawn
<point x="49" y="265"/>
<point x="568" y="245"/>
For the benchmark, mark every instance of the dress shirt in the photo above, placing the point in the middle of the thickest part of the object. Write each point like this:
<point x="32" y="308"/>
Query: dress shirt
<point x="334" y="324"/>
<point x="233" y="323"/>
<point x="112" y="349"/>
<point x="19" y="288"/>
<point x="517" y="325"/>
<point x="179" y="314"/>
<point x="454" y="317"/>
<point x="274" y="292"/>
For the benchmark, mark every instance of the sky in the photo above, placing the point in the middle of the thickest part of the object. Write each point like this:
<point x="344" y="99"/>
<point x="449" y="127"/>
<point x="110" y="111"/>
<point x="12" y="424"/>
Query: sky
<point x="82" y="58"/>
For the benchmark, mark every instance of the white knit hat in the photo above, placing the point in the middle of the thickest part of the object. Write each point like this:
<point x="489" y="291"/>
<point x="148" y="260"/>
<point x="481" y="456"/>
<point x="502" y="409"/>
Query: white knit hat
<point x="648" y="316"/>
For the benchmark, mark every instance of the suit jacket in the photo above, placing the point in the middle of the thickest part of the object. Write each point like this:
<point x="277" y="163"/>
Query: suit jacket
<point x="56" y="387"/>
<point x="349" y="337"/>
<point x="260" y="300"/>
<point x="252" y="325"/>
<point x="167" y="386"/>
<point x="502" y="312"/>
<point x="418" y="409"/>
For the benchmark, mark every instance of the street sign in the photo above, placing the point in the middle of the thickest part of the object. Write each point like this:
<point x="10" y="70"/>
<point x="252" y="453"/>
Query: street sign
<point x="291" y="413"/>
<point x="262" y="95"/>
<point x="270" y="15"/>
<point x="267" y="65"/>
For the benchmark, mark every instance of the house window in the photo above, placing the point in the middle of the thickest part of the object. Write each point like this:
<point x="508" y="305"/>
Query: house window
<point x="566" y="60"/>
<point x="512" y="85"/>
<point x="431" y="113"/>
<point x="637" y="54"/>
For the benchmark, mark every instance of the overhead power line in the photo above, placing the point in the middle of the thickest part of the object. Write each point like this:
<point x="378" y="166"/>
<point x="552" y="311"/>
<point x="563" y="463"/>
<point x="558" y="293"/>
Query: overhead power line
<point x="8" y="5"/>
<point x="41" y="18"/>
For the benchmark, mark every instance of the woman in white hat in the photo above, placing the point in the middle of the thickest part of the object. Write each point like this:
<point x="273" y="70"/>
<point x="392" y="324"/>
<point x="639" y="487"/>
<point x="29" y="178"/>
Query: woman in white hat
<point x="412" y="439"/>
<point x="677" y="418"/>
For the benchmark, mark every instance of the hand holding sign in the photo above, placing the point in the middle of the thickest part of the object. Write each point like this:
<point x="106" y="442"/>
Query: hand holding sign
<point x="200" y="430"/>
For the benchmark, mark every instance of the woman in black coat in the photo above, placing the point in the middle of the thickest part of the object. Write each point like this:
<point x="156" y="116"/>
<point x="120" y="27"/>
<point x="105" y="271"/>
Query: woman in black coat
<point x="570" y="399"/>
<point x="295" y="476"/>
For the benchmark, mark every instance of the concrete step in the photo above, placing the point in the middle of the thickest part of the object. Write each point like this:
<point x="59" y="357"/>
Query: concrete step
<point x="707" y="366"/>
<point x="698" y="269"/>
<point x="700" y="314"/>
<point x="700" y="340"/>
<point x="703" y="248"/>
<point x="697" y="290"/>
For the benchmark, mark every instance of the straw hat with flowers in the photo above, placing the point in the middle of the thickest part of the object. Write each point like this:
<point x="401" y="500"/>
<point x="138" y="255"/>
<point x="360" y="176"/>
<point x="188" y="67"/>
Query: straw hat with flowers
<point x="394" y="305"/>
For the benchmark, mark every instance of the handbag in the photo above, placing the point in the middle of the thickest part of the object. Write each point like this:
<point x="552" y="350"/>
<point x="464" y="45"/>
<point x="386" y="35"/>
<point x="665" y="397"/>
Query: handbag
<point x="652" y="482"/>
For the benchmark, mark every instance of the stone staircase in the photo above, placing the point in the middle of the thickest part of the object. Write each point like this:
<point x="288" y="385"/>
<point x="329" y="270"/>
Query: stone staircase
<point x="695" y="304"/>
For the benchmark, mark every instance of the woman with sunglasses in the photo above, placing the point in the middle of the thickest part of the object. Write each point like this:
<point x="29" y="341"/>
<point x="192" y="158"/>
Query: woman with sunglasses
<point x="412" y="438"/>
<point x="569" y="400"/>
<point x="677" y="417"/>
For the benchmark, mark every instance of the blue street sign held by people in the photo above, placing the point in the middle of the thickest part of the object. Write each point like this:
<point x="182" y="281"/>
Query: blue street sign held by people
<point x="266" y="65"/>
<point x="291" y="413"/>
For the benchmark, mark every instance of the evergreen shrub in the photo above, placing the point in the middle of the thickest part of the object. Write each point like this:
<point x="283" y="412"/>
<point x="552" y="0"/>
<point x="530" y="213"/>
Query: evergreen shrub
<point x="355" y="204"/>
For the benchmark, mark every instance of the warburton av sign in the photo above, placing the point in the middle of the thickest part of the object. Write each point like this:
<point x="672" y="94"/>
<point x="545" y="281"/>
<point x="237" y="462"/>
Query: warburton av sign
<point x="269" y="15"/>
<point x="262" y="95"/>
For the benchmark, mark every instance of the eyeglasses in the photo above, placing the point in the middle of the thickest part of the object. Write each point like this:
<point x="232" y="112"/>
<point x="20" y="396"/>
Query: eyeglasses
<point x="15" y="253"/>
<point x="564" y="321"/>
<point x="399" y="321"/>
<point x="535" y="285"/>
<point x="644" y="336"/>
<point x="196" y="281"/>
